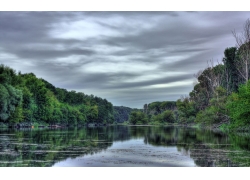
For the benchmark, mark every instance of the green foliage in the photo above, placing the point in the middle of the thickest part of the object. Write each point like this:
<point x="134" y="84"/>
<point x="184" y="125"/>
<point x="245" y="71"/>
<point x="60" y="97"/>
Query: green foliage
<point x="165" y="117"/>
<point x="155" y="108"/>
<point x="17" y="115"/>
<point x="216" y="111"/>
<point x="206" y="116"/>
<point x="239" y="106"/>
<point x="9" y="100"/>
<point x="186" y="110"/>
<point x="138" y="117"/>
<point x="206" y="103"/>
<point x="224" y="128"/>
<point x="168" y="105"/>
<point x="7" y="75"/>
<point x="221" y="93"/>
<point x="26" y="98"/>
<point x="168" y="116"/>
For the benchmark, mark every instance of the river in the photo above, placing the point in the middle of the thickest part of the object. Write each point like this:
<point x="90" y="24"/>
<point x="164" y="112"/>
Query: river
<point x="123" y="146"/>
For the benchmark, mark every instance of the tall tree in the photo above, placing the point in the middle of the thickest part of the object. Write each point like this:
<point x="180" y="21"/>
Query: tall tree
<point x="243" y="45"/>
<point x="232" y="78"/>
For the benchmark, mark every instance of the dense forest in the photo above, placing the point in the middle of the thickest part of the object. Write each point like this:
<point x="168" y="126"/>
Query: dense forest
<point x="29" y="100"/>
<point x="221" y="96"/>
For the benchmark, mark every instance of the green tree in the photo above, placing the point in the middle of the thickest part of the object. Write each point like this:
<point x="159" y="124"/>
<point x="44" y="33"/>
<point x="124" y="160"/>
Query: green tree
<point x="10" y="98"/>
<point x="239" y="106"/>
<point x="138" y="117"/>
<point x="168" y="116"/>
<point x="17" y="115"/>
<point x="232" y="79"/>
<point x="186" y="110"/>
<point x="24" y="97"/>
<point x="216" y="111"/>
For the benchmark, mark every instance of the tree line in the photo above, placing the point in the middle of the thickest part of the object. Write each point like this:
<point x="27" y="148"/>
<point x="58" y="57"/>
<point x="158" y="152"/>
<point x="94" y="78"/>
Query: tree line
<point x="155" y="113"/>
<point x="222" y="92"/>
<point x="24" y="98"/>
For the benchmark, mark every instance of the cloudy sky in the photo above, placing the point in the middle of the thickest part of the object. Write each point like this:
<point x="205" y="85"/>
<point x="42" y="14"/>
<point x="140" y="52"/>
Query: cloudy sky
<point x="129" y="58"/>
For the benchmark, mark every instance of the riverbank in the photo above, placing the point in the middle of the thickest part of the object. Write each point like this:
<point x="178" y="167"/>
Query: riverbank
<point x="44" y="125"/>
<point x="219" y="127"/>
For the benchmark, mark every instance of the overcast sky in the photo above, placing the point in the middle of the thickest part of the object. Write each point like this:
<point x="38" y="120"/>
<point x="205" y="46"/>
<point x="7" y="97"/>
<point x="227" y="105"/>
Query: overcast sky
<point x="129" y="58"/>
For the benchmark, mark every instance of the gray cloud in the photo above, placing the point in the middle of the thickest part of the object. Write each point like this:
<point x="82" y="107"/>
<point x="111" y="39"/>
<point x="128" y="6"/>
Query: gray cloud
<point x="51" y="53"/>
<point x="124" y="57"/>
<point x="131" y="14"/>
<point x="161" y="80"/>
<point x="138" y="97"/>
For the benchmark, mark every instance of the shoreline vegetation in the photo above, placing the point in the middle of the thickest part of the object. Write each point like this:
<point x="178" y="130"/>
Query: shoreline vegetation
<point x="220" y="99"/>
<point x="28" y="100"/>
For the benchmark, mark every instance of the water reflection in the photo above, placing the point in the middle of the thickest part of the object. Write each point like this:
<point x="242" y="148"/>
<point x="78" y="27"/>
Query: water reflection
<point x="123" y="146"/>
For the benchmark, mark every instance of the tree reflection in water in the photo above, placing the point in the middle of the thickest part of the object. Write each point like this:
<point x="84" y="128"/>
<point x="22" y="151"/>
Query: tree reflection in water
<point x="45" y="147"/>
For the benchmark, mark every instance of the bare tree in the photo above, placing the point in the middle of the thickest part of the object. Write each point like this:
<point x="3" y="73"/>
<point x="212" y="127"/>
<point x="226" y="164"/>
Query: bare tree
<point x="243" y="45"/>
<point x="213" y="77"/>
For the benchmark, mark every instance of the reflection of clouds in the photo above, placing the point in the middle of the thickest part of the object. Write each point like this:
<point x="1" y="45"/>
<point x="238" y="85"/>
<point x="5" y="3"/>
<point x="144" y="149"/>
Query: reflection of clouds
<point x="132" y="153"/>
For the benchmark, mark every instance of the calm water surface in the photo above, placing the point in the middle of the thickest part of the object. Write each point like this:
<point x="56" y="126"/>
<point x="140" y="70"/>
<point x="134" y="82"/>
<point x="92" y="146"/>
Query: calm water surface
<point x="125" y="146"/>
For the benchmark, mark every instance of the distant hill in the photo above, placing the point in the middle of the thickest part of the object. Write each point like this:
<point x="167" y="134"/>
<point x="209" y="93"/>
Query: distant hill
<point x="121" y="113"/>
